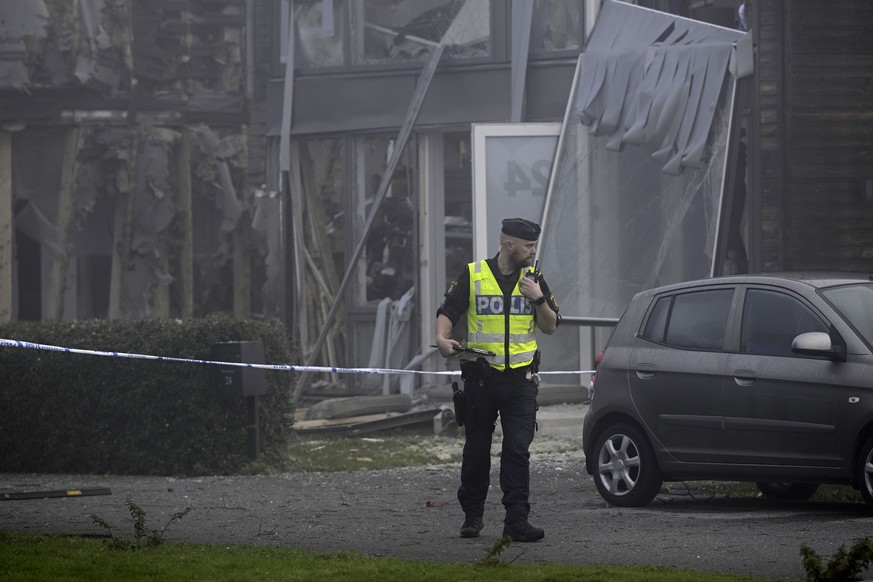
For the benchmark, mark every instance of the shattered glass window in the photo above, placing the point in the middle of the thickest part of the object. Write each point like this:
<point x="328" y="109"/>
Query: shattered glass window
<point x="324" y="217"/>
<point x="617" y="224"/>
<point x="366" y="32"/>
<point x="458" y="180"/>
<point x="319" y="34"/>
<point x="36" y="169"/>
<point x="324" y="225"/>
<point x="387" y="266"/>
<point x="556" y="26"/>
<point x="637" y="189"/>
<point x="396" y="31"/>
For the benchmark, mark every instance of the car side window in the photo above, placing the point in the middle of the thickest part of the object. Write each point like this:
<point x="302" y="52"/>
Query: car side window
<point x="695" y="320"/>
<point x="771" y="321"/>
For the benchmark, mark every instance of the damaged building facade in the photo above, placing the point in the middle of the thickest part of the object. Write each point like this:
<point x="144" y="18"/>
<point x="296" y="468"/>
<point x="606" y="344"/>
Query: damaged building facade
<point x="315" y="160"/>
<point x="380" y="105"/>
<point x="133" y="162"/>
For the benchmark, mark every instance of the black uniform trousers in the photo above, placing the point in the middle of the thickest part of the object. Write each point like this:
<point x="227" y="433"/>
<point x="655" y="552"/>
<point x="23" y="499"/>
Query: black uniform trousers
<point x="514" y="397"/>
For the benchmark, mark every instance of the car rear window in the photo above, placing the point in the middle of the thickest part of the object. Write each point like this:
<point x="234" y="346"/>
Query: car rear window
<point x="695" y="320"/>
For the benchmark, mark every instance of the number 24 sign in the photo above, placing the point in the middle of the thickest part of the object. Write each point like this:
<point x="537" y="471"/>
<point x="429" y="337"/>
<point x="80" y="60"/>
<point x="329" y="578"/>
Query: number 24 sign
<point x="511" y="167"/>
<point x="532" y="179"/>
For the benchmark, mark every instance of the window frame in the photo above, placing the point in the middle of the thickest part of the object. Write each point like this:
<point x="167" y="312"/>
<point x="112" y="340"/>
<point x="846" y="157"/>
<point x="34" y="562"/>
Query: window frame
<point x="498" y="53"/>
<point x="540" y="55"/>
<point x="822" y="293"/>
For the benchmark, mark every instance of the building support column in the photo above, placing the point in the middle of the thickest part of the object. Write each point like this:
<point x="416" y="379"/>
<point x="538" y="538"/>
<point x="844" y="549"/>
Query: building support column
<point x="122" y="228"/>
<point x="7" y="231"/>
<point x="186" y="215"/>
<point x="64" y="220"/>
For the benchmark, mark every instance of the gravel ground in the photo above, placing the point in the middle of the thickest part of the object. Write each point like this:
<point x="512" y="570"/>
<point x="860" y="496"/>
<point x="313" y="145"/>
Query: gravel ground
<point x="413" y="513"/>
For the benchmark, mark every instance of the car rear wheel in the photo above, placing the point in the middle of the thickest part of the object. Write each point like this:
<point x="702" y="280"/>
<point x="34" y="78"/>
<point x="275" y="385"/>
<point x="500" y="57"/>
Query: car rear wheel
<point x="626" y="472"/>
<point x="788" y="491"/>
<point x="864" y="472"/>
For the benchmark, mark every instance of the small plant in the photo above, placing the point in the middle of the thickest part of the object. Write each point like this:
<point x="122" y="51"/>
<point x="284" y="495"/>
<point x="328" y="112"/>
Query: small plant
<point x="143" y="536"/>
<point x="492" y="557"/>
<point x="843" y="566"/>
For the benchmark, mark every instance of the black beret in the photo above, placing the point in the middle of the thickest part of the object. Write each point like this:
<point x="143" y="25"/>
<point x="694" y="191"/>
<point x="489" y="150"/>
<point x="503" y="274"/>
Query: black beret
<point x="521" y="228"/>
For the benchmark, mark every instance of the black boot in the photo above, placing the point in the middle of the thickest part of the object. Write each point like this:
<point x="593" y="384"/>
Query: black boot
<point x="472" y="526"/>
<point x="521" y="531"/>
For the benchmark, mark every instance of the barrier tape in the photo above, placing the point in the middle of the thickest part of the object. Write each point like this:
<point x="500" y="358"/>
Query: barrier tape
<point x="35" y="346"/>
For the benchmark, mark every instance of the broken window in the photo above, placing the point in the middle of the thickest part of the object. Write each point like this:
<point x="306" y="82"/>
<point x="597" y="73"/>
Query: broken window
<point x="37" y="157"/>
<point x="318" y="33"/>
<point x="387" y="265"/>
<point x="391" y="31"/>
<point x="556" y="26"/>
<point x="330" y="33"/>
<point x="642" y="160"/>
<point x="324" y="224"/>
<point x="458" y="183"/>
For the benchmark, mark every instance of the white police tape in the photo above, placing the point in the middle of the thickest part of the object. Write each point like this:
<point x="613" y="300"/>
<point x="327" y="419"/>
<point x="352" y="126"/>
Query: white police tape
<point x="35" y="346"/>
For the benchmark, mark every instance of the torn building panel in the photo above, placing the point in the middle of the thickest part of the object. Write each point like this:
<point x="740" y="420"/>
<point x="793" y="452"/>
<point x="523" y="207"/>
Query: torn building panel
<point x="222" y="150"/>
<point x="652" y="79"/>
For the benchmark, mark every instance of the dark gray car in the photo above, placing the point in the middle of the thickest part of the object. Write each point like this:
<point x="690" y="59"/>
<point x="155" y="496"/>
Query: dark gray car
<point x="761" y="378"/>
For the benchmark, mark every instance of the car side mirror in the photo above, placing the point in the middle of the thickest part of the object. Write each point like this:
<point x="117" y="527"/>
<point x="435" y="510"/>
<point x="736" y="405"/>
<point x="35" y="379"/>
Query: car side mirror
<point x="817" y="343"/>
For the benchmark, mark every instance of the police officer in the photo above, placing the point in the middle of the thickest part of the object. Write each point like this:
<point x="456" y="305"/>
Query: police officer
<point x="503" y="299"/>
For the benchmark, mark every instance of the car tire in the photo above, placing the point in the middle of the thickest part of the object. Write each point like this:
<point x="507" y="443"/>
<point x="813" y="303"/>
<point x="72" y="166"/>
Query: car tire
<point x="625" y="471"/>
<point x="864" y="472"/>
<point x="787" y="491"/>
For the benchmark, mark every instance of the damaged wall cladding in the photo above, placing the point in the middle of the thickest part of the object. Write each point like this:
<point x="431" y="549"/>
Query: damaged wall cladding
<point x="134" y="191"/>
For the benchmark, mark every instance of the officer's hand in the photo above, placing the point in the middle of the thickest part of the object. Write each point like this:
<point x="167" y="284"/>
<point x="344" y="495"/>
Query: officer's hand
<point x="530" y="288"/>
<point x="447" y="347"/>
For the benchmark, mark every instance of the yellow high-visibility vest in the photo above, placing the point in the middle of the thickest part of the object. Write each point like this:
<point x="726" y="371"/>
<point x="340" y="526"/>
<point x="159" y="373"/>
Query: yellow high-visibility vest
<point x="492" y="325"/>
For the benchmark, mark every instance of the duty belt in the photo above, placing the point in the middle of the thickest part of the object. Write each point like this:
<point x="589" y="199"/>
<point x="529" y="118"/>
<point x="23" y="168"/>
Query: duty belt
<point x="511" y="371"/>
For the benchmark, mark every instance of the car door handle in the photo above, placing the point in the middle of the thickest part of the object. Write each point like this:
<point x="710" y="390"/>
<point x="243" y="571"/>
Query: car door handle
<point x="646" y="371"/>
<point x="745" y="377"/>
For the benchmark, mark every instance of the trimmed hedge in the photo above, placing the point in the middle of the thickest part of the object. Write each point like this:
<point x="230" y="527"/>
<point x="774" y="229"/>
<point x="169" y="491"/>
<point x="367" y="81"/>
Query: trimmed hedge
<point x="72" y="413"/>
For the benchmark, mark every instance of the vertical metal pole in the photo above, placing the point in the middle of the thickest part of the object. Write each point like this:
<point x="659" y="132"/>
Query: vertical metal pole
<point x="553" y="174"/>
<point x="726" y="192"/>
<point x="522" y="15"/>
<point x="290" y="186"/>
<point x="186" y="216"/>
<point x="294" y="183"/>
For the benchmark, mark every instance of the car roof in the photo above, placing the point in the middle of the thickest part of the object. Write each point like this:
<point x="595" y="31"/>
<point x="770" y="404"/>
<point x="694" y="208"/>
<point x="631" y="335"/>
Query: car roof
<point x="815" y="279"/>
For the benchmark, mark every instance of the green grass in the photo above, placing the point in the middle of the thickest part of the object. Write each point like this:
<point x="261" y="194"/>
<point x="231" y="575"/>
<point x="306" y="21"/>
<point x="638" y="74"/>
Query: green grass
<point x="34" y="558"/>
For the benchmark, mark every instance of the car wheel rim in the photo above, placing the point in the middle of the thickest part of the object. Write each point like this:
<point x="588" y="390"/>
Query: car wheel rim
<point x="868" y="473"/>
<point x="619" y="465"/>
